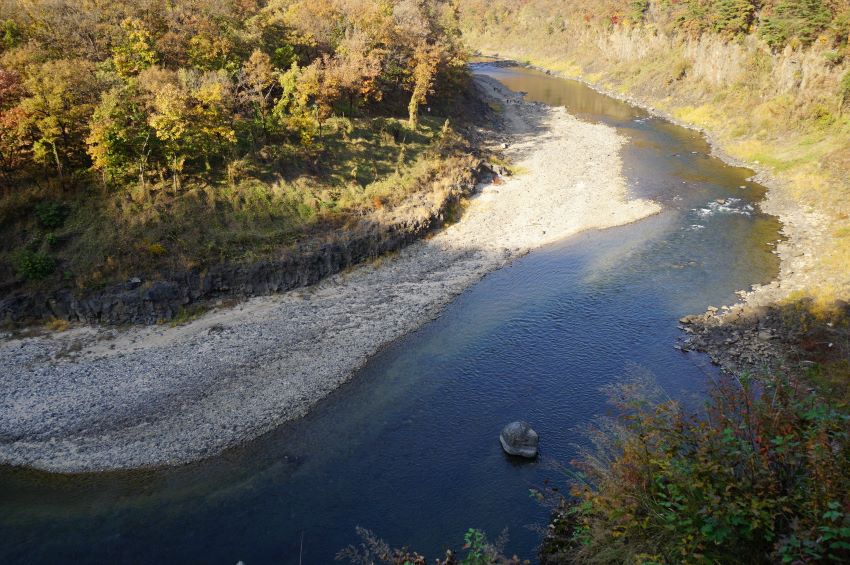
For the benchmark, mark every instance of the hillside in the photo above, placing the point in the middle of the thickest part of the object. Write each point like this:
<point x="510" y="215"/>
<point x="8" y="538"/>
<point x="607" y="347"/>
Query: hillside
<point x="768" y="81"/>
<point x="151" y="137"/>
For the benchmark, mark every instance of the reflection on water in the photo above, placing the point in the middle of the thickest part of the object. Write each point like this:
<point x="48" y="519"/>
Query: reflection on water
<point x="409" y="448"/>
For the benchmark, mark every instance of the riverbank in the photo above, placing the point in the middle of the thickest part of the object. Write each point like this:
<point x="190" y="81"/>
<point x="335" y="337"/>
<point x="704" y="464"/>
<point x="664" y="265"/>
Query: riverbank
<point x="93" y="399"/>
<point x="756" y="334"/>
<point x="778" y="111"/>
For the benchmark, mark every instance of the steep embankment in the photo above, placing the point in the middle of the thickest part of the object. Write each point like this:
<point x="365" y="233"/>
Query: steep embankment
<point x="778" y="112"/>
<point x="92" y="399"/>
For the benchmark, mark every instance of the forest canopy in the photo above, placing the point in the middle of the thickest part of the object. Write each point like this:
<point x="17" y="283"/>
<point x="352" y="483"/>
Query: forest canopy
<point x="133" y="88"/>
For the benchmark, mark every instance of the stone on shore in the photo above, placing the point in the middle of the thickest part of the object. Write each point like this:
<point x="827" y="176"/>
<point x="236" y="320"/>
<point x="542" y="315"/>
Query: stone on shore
<point x="517" y="438"/>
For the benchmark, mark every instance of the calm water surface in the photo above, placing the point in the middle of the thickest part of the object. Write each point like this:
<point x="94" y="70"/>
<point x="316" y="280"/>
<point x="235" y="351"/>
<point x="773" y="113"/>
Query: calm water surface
<point x="409" y="448"/>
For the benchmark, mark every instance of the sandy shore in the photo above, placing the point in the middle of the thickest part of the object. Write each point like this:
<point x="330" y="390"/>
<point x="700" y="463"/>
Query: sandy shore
<point x="96" y="399"/>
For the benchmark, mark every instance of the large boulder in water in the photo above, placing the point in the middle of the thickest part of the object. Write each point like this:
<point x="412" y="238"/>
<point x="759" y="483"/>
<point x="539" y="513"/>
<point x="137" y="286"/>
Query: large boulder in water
<point x="517" y="438"/>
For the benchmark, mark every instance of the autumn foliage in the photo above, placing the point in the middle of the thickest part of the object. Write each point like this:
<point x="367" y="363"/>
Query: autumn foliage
<point x="760" y="474"/>
<point x="153" y="87"/>
<point x="216" y="129"/>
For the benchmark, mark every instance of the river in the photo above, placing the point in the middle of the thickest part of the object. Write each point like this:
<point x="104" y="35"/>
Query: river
<point x="409" y="447"/>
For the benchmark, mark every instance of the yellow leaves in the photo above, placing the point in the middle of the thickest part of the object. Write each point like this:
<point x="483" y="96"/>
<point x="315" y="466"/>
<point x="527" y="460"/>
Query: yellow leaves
<point x="210" y="52"/>
<point x="135" y="52"/>
<point x="58" y="108"/>
<point x="426" y="58"/>
<point x="155" y="249"/>
<point x="315" y="21"/>
<point x="169" y="119"/>
<point x="194" y="115"/>
<point x="99" y="131"/>
<point x="41" y="151"/>
<point x="295" y="96"/>
<point x="259" y="73"/>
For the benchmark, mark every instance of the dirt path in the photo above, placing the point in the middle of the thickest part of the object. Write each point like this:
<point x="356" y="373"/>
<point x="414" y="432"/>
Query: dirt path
<point x="96" y="399"/>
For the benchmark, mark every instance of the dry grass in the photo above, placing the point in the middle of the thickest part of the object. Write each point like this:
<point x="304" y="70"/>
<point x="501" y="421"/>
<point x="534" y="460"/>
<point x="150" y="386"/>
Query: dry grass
<point x="779" y="110"/>
<point x="57" y="325"/>
<point x="265" y="204"/>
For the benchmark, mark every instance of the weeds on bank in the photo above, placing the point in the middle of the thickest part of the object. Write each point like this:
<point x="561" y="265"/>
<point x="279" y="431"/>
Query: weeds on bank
<point x="761" y="474"/>
<point x="477" y="550"/>
<point x="186" y="315"/>
<point x="57" y="325"/>
<point x="367" y="165"/>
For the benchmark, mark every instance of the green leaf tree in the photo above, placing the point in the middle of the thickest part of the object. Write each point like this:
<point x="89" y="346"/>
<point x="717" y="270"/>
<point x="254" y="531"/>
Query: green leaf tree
<point x="59" y="105"/>
<point x="121" y="141"/>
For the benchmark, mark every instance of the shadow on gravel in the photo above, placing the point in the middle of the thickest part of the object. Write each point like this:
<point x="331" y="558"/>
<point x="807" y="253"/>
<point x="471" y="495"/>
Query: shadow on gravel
<point x="797" y="337"/>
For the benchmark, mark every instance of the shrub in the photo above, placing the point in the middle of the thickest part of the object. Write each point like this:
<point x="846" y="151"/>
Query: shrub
<point x="732" y="17"/>
<point x="833" y="58"/>
<point x="51" y="215"/>
<point x="57" y="325"/>
<point x="802" y="20"/>
<point x="478" y="551"/>
<point x="637" y="10"/>
<point x="10" y="34"/>
<point x="156" y="249"/>
<point x="33" y="265"/>
<point x="762" y="475"/>
<point x="821" y="116"/>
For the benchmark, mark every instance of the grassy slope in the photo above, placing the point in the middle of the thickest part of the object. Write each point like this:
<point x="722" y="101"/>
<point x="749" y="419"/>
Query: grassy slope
<point x="779" y="111"/>
<point x="359" y="167"/>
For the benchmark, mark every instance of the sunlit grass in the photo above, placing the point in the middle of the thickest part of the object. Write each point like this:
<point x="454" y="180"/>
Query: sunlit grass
<point x="261" y="207"/>
<point x="754" y="111"/>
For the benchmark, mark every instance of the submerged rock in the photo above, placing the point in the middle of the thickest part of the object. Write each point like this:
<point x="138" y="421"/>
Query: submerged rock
<point x="517" y="438"/>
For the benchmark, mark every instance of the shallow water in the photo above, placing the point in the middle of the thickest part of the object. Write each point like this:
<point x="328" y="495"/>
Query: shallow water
<point x="409" y="448"/>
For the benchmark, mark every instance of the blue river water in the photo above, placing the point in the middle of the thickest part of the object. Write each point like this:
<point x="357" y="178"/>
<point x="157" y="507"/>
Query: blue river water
<point x="409" y="447"/>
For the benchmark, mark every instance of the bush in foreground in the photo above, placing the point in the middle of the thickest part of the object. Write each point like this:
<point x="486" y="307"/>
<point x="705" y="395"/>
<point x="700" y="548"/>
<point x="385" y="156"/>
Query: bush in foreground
<point x="761" y="475"/>
<point x="477" y="550"/>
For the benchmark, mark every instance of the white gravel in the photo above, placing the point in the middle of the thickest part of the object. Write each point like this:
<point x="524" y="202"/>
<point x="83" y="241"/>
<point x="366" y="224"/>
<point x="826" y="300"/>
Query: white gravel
<point x="92" y="399"/>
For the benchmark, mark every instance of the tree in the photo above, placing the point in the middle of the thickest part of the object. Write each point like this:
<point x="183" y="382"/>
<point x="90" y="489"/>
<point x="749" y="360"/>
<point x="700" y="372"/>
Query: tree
<point x="14" y="149"/>
<point x="60" y="102"/>
<point x="426" y="58"/>
<point x="12" y="123"/>
<point x="316" y="25"/>
<point x="210" y="119"/>
<point x="257" y="83"/>
<point x="212" y="48"/>
<point x="193" y="116"/>
<point x="293" y="106"/>
<point x="135" y="52"/>
<point x="170" y="122"/>
<point x="356" y="67"/>
<point x="11" y="89"/>
<point x="121" y="140"/>
<point x="320" y="86"/>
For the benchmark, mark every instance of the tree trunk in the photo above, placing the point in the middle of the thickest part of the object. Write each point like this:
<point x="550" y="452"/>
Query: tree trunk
<point x="58" y="162"/>
<point x="413" y="111"/>
<point x="176" y="176"/>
